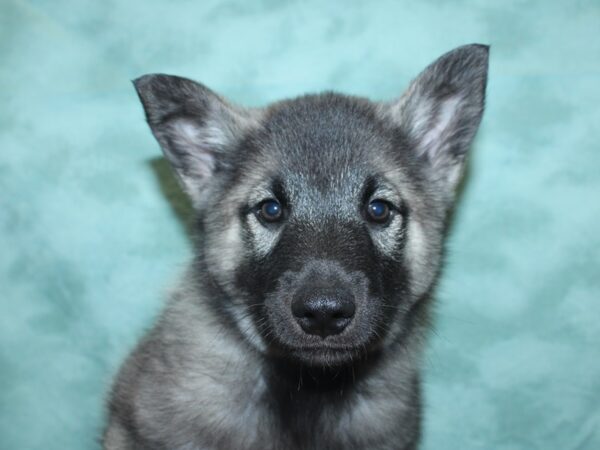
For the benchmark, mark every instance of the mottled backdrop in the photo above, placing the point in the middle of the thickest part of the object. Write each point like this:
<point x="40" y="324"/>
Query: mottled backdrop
<point x="93" y="228"/>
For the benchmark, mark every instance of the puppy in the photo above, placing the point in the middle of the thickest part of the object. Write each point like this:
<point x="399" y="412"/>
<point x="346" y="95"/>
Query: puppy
<point x="321" y="220"/>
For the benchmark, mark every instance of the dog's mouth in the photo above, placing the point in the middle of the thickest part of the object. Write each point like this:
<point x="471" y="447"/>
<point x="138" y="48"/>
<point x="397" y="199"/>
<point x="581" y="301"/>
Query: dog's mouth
<point x="287" y="339"/>
<point x="321" y="356"/>
<point x="323" y="353"/>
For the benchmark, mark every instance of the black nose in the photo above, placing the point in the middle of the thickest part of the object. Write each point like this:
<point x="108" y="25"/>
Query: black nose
<point x="323" y="313"/>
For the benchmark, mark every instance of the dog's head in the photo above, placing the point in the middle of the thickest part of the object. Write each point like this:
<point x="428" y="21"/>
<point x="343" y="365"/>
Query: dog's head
<point x="323" y="216"/>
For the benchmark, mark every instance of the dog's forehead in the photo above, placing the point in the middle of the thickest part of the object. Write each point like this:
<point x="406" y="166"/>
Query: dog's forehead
<point x="327" y="141"/>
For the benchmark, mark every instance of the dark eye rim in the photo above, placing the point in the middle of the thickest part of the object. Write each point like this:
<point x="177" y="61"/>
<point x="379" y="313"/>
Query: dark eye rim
<point x="386" y="218"/>
<point x="261" y="214"/>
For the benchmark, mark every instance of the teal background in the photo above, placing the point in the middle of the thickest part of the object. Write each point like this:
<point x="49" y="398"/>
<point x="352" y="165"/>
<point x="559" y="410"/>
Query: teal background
<point x="93" y="228"/>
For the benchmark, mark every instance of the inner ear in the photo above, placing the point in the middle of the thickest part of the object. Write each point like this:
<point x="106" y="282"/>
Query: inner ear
<point x="190" y="151"/>
<point x="437" y="121"/>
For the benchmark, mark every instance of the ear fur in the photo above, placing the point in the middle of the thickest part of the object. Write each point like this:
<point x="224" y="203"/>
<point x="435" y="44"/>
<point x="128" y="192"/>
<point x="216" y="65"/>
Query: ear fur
<point x="194" y="127"/>
<point x="441" y="110"/>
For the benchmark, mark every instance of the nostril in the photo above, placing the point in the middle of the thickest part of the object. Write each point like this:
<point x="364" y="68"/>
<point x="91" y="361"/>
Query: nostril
<point x="300" y="310"/>
<point x="346" y="310"/>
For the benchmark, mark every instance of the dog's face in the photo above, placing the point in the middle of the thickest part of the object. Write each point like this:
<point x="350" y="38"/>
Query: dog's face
<point x="323" y="216"/>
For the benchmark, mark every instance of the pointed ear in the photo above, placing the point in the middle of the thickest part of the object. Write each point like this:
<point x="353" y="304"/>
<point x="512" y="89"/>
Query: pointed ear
<point x="194" y="126"/>
<point x="441" y="110"/>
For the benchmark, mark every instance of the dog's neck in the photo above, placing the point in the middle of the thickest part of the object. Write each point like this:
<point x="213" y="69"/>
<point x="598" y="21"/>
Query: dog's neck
<point x="293" y="376"/>
<point x="331" y="399"/>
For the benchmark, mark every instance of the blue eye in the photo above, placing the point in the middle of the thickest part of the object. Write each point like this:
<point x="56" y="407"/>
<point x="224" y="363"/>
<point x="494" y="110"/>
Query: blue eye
<point x="271" y="210"/>
<point x="378" y="211"/>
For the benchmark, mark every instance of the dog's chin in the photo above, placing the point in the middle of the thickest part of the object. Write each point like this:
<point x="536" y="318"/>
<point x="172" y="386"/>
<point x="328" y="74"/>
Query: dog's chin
<point x="324" y="356"/>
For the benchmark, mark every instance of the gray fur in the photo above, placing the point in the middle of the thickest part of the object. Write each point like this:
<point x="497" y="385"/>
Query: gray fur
<point x="227" y="366"/>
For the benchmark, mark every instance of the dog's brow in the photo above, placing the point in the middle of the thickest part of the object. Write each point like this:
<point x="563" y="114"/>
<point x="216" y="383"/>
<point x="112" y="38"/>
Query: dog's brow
<point x="259" y="193"/>
<point x="267" y="189"/>
<point x="377" y="186"/>
<point x="387" y="192"/>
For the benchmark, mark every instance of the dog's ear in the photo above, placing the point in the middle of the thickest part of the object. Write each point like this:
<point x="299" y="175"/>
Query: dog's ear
<point x="194" y="126"/>
<point x="441" y="110"/>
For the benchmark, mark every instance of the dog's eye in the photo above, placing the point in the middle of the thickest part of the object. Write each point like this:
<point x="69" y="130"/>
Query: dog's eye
<point x="378" y="211"/>
<point x="270" y="210"/>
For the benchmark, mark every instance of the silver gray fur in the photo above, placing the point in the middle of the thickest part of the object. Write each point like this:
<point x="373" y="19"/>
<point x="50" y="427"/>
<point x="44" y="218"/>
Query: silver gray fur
<point x="227" y="366"/>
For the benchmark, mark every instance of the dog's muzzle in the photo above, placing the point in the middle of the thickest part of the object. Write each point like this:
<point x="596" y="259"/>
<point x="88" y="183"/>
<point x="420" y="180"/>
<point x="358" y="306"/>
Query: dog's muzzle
<point x="323" y="312"/>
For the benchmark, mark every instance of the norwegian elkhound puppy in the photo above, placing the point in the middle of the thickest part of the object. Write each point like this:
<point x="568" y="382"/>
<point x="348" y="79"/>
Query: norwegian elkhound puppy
<point x="321" y="221"/>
